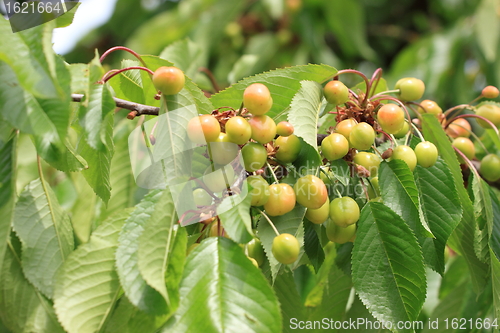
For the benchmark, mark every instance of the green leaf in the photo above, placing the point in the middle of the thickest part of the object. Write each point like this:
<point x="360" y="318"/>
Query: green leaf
<point x="358" y="310"/>
<point x="291" y="306"/>
<point x="128" y="85"/>
<point x="22" y="307"/>
<point x="83" y="210"/>
<point x="98" y="172"/>
<point x="482" y="202"/>
<point x="87" y="286"/>
<point x="494" y="230"/>
<point x="312" y="244"/>
<point x="234" y="213"/>
<point x="399" y="191"/>
<point x="221" y="290"/>
<point x="387" y="265"/>
<point x="8" y="166"/>
<point x="188" y="96"/>
<point x="462" y="238"/>
<point x="441" y="208"/>
<point x="162" y="250"/>
<point x="45" y="232"/>
<point x="290" y="223"/>
<point x="304" y="111"/>
<point x="98" y="105"/>
<point x="127" y="318"/>
<point x="185" y="55"/>
<point x="123" y="186"/>
<point x="283" y="84"/>
<point x="135" y="286"/>
<point x="487" y="28"/>
<point x="381" y="87"/>
<point x="495" y="278"/>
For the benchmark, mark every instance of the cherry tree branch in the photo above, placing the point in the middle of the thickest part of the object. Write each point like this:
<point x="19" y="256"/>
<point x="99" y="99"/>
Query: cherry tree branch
<point x="136" y="108"/>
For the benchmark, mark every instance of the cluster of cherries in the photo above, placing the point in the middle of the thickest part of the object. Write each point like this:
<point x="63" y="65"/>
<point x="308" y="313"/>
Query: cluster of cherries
<point x="362" y="119"/>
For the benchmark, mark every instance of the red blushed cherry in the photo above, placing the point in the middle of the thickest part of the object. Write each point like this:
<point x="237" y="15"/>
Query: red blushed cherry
<point x="459" y="127"/>
<point x="490" y="92"/>
<point x="284" y="128"/>
<point x="257" y="99"/>
<point x="336" y="92"/>
<point x="391" y="118"/>
<point x="204" y="128"/>
<point x="169" y="80"/>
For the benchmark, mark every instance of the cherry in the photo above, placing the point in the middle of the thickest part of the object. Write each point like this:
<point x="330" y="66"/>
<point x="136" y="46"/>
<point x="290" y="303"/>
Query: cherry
<point x="345" y="127"/>
<point x="310" y="191"/>
<point x="490" y="167"/>
<point x="368" y="160"/>
<point x="222" y="151"/>
<point x="426" y="153"/>
<point x="490" y="112"/>
<point x="403" y="131"/>
<point x="284" y="128"/>
<point x="406" y="154"/>
<point x="339" y="234"/>
<point x="256" y="251"/>
<point x="260" y="190"/>
<point x="320" y="215"/>
<point x="201" y="198"/>
<point x="428" y="106"/>
<point x="490" y="92"/>
<point x="169" y="80"/>
<point x="281" y="199"/>
<point x="202" y="129"/>
<point x="459" y="127"/>
<point x="285" y="248"/>
<point x="336" y="92"/>
<point x="410" y="88"/>
<point x="238" y="130"/>
<point x="263" y="128"/>
<point x="466" y="146"/>
<point x="257" y="99"/>
<point x="344" y="211"/>
<point x="334" y="146"/>
<point x="254" y="156"/>
<point x="362" y="136"/>
<point x="391" y="118"/>
<point x="289" y="148"/>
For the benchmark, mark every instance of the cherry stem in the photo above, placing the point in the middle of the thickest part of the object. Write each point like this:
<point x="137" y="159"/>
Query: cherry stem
<point x="418" y="132"/>
<point x="204" y="187"/>
<point x="393" y="141"/>
<point x="469" y="163"/>
<point x="211" y="77"/>
<point x="376" y="150"/>
<point x="272" y="172"/>
<point x="338" y="192"/>
<point x="115" y="72"/>
<point x="270" y="222"/>
<point x="123" y="48"/>
<point x="353" y="71"/>
<point x="353" y="93"/>
<point x="475" y="137"/>
<point x="473" y="116"/>
<point x="455" y="108"/>
<point x="377" y="75"/>
<point x="240" y="110"/>
<point x="477" y="99"/>
<point x="382" y="93"/>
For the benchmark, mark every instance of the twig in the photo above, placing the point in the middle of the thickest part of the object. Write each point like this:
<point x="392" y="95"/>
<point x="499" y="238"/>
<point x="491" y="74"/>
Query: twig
<point x="139" y="109"/>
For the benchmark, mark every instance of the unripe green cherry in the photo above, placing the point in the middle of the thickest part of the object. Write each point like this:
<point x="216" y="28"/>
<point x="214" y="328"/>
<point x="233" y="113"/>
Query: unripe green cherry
<point x="391" y="118"/>
<point x="310" y="191"/>
<point x="222" y="151"/>
<point x="339" y="234"/>
<point x="406" y="154"/>
<point x="285" y="248"/>
<point x="218" y="178"/>
<point x="238" y="130"/>
<point x="289" y="148"/>
<point x="490" y="167"/>
<point x="168" y="80"/>
<point x="490" y="112"/>
<point x="345" y="127"/>
<point x="263" y="128"/>
<point x="490" y="92"/>
<point x="254" y="156"/>
<point x="281" y="199"/>
<point x="404" y="130"/>
<point x="362" y="136"/>
<point x="201" y="198"/>
<point x="426" y="153"/>
<point x="202" y="129"/>
<point x="320" y="215"/>
<point x="259" y="192"/>
<point x="334" y="146"/>
<point x="256" y="251"/>
<point x="257" y="99"/>
<point x="284" y="128"/>
<point x="466" y="146"/>
<point x="370" y="161"/>
<point x="336" y="92"/>
<point x="410" y="88"/>
<point x="428" y="106"/>
<point x="344" y="211"/>
<point x="459" y="127"/>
